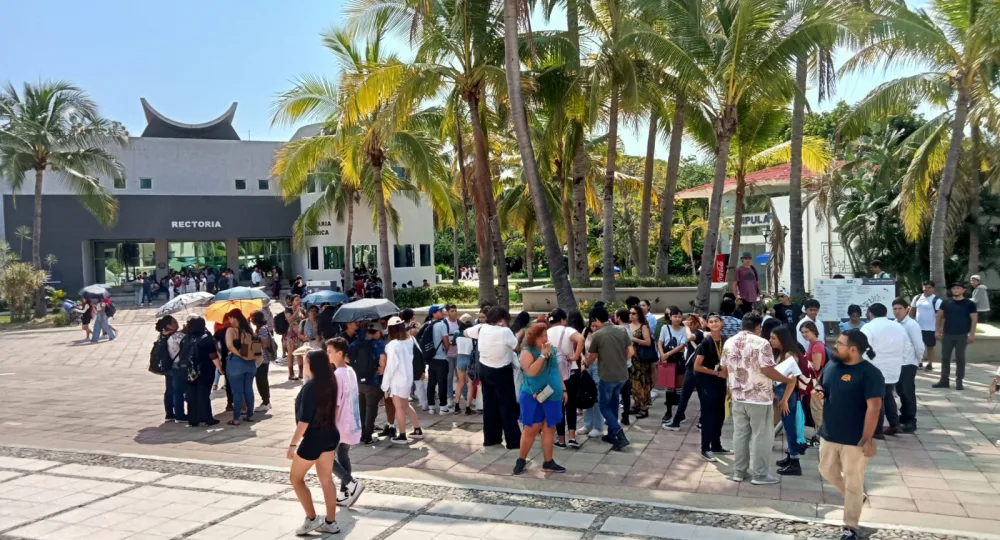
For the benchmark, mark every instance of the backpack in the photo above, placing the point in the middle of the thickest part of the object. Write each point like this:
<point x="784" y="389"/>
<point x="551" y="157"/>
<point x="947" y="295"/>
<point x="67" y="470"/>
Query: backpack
<point x="364" y="361"/>
<point x="109" y="309"/>
<point x="160" y="361"/>
<point x="186" y="359"/>
<point x="425" y="340"/>
<point x="586" y="390"/>
<point x="281" y="324"/>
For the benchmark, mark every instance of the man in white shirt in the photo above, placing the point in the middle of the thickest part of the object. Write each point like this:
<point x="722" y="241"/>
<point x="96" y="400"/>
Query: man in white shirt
<point x="906" y="387"/>
<point x="892" y="347"/>
<point x="496" y="374"/>
<point x="255" y="277"/>
<point x="811" y="307"/>
<point x="923" y="309"/>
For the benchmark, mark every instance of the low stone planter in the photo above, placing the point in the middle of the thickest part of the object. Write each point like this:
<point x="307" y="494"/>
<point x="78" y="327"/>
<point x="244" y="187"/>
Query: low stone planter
<point x="543" y="299"/>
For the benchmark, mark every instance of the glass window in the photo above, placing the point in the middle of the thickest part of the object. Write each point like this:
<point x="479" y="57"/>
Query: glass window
<point x="333" y="257"/>
<point x="145" y="183"/>
<point x="197" y="255"/>
<point x="402" y="256"/>
<point x="241" y="184"/>
<point x="117" y="262"/>
<point x="426" y="258"/>
<point x="311" y="184"/>
<point x="263" y="185"/>
<point x="265" y="253"/>
<point x="364" y="255"/>
<point x="119" y="183"/>
<point x="314" y="258"/>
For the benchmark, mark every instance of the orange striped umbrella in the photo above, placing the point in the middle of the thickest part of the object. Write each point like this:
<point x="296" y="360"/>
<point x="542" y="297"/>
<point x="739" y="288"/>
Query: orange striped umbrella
<point x="217" y="311"/>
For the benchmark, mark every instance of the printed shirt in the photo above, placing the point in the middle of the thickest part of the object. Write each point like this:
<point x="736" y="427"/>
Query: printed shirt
<point x="731" y="326"/>
<point x="744" y="355"/>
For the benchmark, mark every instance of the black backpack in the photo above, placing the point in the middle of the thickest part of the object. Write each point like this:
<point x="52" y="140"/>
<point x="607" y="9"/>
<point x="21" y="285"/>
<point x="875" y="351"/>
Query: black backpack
<point x="364" y="361"/>
<point x="110" y="310"/>
<point x="425" y="340"/>
<point x="586" y="391"/>
<point x="281" y="324"/>
<point x="187" y="361"/>
<point x="160" y="361"/>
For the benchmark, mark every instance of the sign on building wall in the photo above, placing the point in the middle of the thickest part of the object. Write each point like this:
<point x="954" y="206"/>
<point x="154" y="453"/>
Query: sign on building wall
<point x="835" y="295"/>
<point x="195" y="224"/>
<point x="840" y="263"/>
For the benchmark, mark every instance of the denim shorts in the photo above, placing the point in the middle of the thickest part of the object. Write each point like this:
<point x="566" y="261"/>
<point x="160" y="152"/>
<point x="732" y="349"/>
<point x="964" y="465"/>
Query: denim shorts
<point x="463" y="362"/>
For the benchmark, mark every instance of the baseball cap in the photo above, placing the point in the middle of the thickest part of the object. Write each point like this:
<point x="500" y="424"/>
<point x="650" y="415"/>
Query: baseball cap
<point x="782" y="292"/>
<point x="746" y="255"/>
<point x="957" y="284"/>
<point x="394" y="320"/>
<point x="975" y="277"/>
<point x="375" y="327"/>
<point x="465" y="318"/>
<point x="433" y="309"/>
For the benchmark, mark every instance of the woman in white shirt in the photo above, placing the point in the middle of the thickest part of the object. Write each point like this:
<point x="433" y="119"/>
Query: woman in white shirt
<point x="398" y="379"/>
<point x="496" y="351"/>
<point x="568" y="344"/>
<point x="786" y="349"/>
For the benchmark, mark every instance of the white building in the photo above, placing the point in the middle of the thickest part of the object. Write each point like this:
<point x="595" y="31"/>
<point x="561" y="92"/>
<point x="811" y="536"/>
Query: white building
<point x="823" y="256"/>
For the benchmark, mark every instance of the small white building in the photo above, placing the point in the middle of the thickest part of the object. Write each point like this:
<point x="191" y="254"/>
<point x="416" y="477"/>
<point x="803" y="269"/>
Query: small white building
<point x="823" y="256"/>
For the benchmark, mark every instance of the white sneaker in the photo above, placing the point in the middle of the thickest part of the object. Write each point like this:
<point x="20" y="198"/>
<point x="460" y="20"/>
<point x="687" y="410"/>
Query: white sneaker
<point x="424" y="408"/>
<point x="653" y="394"/>
<point x="310" y="525"/>
<point x="594" y="433"/>
<point x="353" y="491"/>
<point x="264" y="407"/>
<point x="330" y="527"/>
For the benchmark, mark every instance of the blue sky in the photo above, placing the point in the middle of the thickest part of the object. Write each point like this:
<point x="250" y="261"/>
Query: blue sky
<point x="192" y="59"/>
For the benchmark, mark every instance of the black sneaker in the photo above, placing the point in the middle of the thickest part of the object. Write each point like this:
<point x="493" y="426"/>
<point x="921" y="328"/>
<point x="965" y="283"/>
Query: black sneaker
<point x="958" y="385"/>
<point x="908" y="428"/>
<point x="399" y="439"/>
<point x="458" y="408"/>
<point x="785" y="461"/>
<point x="572" y="443"/>
<point x="519" y="466"/>
<point x="608" y="439"/>
<point x="552" y="466"/>
<point x="699" y="426"/>
<point x="671" y="426"/>
<point x="417" y="433"/>
<point x="849" y="534"/>
<point x="793" y="468"/>
<point x="722" y="451"/>
<point x="212" y="422"/>
<point x="469" y="411"/>
<point x="625" y="421"/>
<point x="621" y="441"/>
<point x="941" y="384"/>
<point x="559" y="444"/>
<point x="387" y="431"/>
<point x="708" y="456"/>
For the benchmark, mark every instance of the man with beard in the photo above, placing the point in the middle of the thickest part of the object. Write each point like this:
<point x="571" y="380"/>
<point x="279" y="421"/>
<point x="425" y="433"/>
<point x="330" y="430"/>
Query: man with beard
<point x="852" y="389"/>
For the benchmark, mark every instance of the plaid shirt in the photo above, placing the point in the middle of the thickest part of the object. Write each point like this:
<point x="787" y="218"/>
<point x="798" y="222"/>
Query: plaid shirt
<point x="731" y="326"/>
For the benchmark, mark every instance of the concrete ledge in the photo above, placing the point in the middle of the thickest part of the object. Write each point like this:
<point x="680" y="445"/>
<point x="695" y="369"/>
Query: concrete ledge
<point x="543" y="299"/>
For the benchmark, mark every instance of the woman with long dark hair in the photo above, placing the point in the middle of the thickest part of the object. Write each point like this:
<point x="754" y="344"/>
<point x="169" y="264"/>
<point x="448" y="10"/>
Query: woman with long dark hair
<point x="641" y="374"/>
<point x="269" y="352"/>
<point x="398" y="380"/>
<point x="173" y="399"/>
<point x="315" y="442"/>
<point x="241" y="367"/>
<point x="206" y="361"/>
<point x="786" y="347"/>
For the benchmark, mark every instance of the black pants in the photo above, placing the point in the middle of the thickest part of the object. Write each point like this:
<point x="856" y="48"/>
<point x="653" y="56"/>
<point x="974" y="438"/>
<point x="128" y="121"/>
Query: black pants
<point x="199" y="398"/>
<point x="500" y="408"/>
<point x="745" y="306"/>
<point x="712" y="395"/>
<point x="368" y="398"/>
<point x="263" y="386"/>
<point x="906" y="387"/>
<point x="957" y="343"/>
<point x="690" y="387"/>
<point x="888" y="410"/>
<point x="229" y="389"/>
<point x="626" y="400"/>
<point x="569" y="410"/>
<point x="437" y="379"/>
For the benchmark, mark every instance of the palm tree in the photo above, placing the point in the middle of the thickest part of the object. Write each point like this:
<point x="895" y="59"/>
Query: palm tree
<point x="366" y="143"/>
<point x="23" y="233"/>
<point x="542" y="213"/>
<point x="957" y="43"/>
<point x="55" y="126"/>
<point x="690" y="222"/>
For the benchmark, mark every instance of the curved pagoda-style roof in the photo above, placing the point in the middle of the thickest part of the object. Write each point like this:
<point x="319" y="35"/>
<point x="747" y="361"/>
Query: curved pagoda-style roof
<point x="158" y="125"/>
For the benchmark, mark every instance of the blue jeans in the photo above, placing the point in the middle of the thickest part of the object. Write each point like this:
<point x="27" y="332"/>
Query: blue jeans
<point x="147" y="296"/>
<point x="592" y="418"/>
<point x="177" y="384"/>
<point x="240" y="376"/>
<point x="608" y="397"/>
<point x="788" y="420"/>
<point x="101" y="324"/>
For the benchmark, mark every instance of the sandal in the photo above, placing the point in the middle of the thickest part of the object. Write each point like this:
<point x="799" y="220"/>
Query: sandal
<point x="233" y="422"/>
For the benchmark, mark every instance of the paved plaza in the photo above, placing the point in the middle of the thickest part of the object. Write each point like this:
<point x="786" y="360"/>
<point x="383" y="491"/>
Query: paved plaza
<point x="66" y="396"/>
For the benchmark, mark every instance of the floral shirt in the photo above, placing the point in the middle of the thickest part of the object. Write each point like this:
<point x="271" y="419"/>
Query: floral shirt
<point x="744" y="355"/>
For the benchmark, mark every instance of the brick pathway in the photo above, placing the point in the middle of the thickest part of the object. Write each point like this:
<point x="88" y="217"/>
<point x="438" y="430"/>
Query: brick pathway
<point x="100" y="397"/>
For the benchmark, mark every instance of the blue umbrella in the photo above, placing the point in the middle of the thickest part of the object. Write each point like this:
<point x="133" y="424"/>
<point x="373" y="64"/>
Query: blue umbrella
<point x="325" y="297"/>
<point x="763" y="258"/>
<point x="240" y="293"/>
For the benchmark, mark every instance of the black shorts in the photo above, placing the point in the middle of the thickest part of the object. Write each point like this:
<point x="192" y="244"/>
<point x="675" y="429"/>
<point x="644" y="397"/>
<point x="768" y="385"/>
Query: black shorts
<point x="313" y="445"/>
<point x="930" y="339"/>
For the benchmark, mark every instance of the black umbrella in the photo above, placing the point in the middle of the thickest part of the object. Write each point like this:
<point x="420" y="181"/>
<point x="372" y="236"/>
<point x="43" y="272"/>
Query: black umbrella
<point x="366" y="309"/>
<point x="95" y="292"/>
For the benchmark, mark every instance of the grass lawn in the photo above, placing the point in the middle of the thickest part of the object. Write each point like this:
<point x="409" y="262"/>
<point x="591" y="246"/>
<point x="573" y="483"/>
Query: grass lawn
<point x="47" y="321"/>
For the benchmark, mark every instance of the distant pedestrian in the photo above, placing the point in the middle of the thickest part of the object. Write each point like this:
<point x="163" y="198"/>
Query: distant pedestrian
<point x="956" y="328"/>
<point x="174" y="407"/>
<point x="730" y="321"/>
<point x="397" y="379"/>
<point x="269" y="351"/>
<point x="852" y="390"/>
<point x="811" y="307"/>
<point x="256" y="277"/>
<point x="785" y="311"/>
<point x="854" y="320"/>
<point x="877" y="272"/>
<point x="981" y="297"/>
<point x="240" y="368"/>
<point x="923" y="309"/>
<point x="747" y="283"/>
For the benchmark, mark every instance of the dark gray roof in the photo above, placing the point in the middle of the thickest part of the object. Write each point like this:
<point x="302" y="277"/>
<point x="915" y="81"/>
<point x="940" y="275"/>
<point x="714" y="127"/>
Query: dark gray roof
<point x="158" y="125"/>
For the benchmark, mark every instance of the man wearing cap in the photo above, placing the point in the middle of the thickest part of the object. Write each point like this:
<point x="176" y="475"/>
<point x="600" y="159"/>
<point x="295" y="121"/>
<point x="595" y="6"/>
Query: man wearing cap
<point x="784" y="311"/>
<point x="747" y="285"/>
<point x="980" y="297"/>
<point x="956" y="328"/>
<point x="437" y="379"/>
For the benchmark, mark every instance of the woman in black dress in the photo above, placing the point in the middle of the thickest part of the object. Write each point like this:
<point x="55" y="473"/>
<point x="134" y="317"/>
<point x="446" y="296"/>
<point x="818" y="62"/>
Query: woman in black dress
<point x="315" y="443"/>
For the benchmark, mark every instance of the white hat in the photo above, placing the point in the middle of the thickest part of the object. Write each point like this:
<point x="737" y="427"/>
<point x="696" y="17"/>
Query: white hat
<point x="975" y="277"/>
<point x="394" y="320"/>
<point x="782" y="292"/>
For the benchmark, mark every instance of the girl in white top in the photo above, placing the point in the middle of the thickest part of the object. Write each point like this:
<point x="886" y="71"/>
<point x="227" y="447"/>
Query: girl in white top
<point x="398" y="379"/>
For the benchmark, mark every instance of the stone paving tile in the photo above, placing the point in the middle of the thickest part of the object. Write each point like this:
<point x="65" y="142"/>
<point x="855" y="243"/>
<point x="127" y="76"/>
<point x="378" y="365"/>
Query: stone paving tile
<point x="21" y="464"/>
<point x="106" y="473"/>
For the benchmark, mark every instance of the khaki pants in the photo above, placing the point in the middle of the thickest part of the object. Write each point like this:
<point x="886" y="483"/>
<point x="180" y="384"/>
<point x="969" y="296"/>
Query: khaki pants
<point x="816" y="406"/>
<point x="844" y="467"/>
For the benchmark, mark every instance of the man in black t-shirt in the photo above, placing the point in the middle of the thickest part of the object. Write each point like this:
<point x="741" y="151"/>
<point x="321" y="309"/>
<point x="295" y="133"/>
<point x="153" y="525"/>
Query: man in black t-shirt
<point x="785" y="311"/>
<point x="852" y="392"/>
<point x="956" y="329"/>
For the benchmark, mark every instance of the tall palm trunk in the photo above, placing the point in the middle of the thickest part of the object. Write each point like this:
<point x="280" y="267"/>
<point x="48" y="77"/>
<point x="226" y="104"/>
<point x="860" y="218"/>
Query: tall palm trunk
<point x="940" y="222"/>
<point x="670" y="191"/>
<point x="795" y="180"/>
<point x="557" y="266"/>
<point x="348" y="266"/>
<point x="647" y="197"/>
<point x="724" y="133"/>
<point x="36" y="242"/>
<point x="384" y="266"/>
<point x="734" y="246"/>
<point x="567" y="217"/>
<point x="529" y="254"/>
<point x="608" y="267"/>
<point x="974" y="209"/>
<point x="482" y="196"/>
<point x="460" y="151"/>
<point x="633" y="242"/>
<point x="580" y="212"/>
<point x="454" y="256"/>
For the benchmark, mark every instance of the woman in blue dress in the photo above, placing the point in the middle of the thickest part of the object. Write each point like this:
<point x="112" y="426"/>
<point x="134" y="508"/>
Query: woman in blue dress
<point x="543" y="395"/>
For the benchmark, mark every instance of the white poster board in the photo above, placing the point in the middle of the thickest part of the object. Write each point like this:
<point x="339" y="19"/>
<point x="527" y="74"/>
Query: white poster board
<point x="835" y="295"/>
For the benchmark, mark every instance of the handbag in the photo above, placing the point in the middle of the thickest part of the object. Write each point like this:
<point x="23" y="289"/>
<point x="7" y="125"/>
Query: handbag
<point x="546" y="392"/>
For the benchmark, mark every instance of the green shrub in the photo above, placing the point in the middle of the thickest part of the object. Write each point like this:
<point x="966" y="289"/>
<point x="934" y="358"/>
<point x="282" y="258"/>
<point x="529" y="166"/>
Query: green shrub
<point x="438" y="294"/>
<point x="18" y="283"/>
<point x="60" y="319"/>
<point x="415" y="297"/>
<point x="457" y="294"/>
<point x="446" y="271"/>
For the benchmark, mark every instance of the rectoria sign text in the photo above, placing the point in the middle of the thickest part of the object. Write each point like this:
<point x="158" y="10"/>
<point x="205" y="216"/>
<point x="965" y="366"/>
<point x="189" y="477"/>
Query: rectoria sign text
<point x="196" y="224"/>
